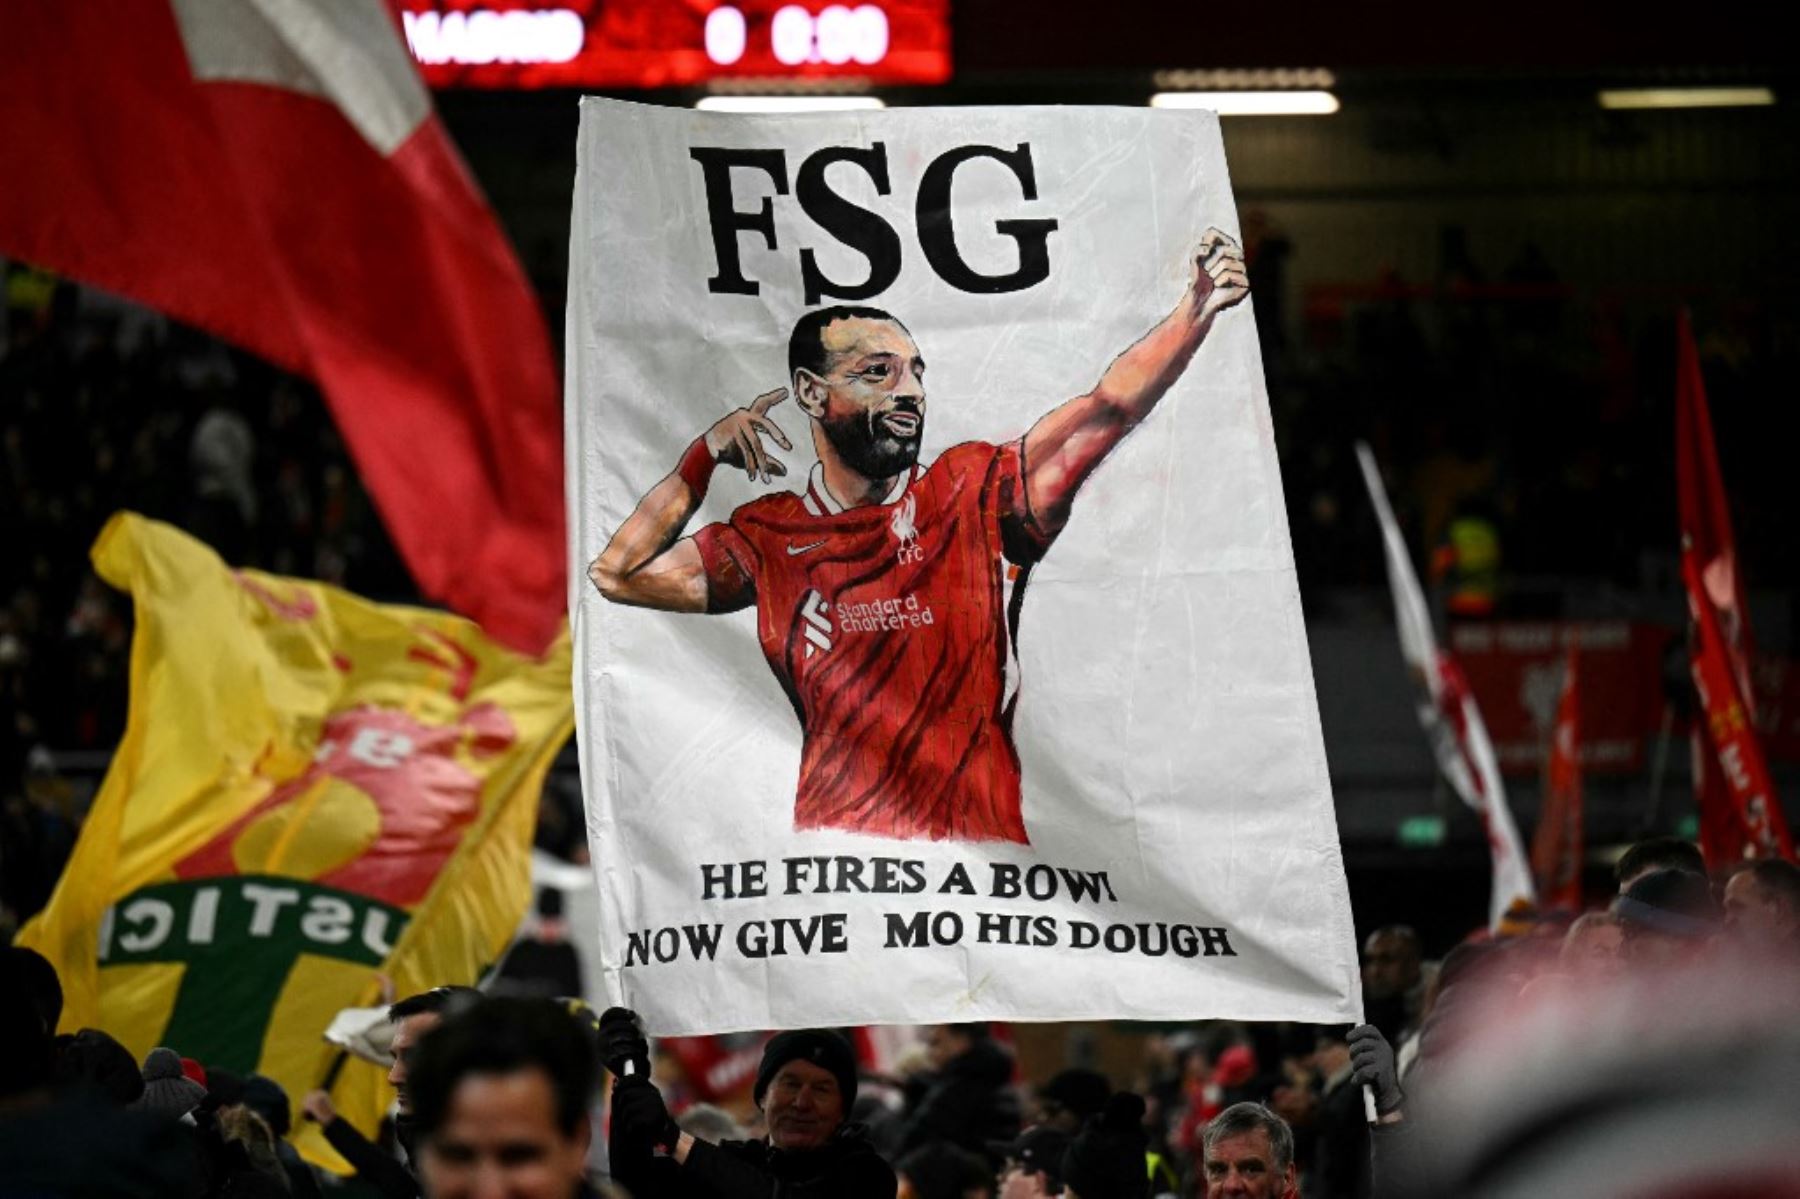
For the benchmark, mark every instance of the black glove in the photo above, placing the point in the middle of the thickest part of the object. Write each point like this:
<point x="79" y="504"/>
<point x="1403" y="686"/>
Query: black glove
<point x="638" y="1113"/>
<point x="1372" y="1065"/>
<point x="622" y="1042"/>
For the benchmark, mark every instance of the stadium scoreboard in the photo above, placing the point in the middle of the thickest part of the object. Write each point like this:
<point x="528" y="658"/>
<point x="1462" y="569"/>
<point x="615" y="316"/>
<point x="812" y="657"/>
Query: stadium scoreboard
<point x="621" y="44"/>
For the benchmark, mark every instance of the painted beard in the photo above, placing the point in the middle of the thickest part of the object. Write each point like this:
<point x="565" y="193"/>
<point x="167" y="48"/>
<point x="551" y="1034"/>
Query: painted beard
<point x="870" y="447"/>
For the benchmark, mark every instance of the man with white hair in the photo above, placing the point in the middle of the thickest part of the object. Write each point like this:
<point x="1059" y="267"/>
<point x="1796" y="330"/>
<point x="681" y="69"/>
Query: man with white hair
<point x="1248" y="1153"/>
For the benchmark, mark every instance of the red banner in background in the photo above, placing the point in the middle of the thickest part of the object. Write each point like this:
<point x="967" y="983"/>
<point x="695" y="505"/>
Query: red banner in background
<point x="720" y="1070"/>
<point x="660" y="43"/>
<point x="1516" y="672"/>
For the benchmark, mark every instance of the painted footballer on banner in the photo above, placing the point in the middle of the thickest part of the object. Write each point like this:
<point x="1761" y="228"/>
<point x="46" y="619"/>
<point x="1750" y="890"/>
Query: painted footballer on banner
<point x="888" y="593"/>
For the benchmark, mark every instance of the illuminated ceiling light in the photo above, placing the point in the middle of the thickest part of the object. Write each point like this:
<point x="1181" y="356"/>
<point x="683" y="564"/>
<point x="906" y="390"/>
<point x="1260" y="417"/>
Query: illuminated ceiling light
<point x="1236" y="79"/>
<point x="789" y="85"/>
<point x="1687" y="97"/>
<point x="787" y="103"/>
<point x="1251" y="104"/>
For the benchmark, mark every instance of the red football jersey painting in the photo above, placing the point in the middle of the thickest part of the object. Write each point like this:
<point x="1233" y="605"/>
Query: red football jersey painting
<point x="892" y="627"/>
<point x="888" y="593"/>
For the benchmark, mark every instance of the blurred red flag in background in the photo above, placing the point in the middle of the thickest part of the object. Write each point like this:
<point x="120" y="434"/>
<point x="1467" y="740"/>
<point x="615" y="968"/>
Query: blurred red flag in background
<point x="1740" y="814"/>
<point x="1557" y="846"/>
<point x="274" y="173"/>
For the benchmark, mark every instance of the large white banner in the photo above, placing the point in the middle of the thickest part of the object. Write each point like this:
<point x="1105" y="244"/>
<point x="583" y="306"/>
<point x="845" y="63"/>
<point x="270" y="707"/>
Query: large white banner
<point x="940" y="653"/>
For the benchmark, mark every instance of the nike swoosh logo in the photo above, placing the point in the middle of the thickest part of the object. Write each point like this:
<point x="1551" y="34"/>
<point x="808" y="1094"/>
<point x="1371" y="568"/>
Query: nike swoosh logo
<point x="795" y="550"/>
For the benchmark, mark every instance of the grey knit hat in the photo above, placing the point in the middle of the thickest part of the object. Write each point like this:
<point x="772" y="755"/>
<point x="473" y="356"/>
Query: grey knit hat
<point x="167" y="1091"/>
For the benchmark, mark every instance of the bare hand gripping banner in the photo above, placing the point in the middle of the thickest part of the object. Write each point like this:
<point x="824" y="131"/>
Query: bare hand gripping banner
<point x="939" y="650"/>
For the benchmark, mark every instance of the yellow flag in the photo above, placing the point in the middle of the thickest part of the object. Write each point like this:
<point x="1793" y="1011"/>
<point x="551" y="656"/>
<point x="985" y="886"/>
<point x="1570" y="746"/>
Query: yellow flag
<point x="312" y="789"/>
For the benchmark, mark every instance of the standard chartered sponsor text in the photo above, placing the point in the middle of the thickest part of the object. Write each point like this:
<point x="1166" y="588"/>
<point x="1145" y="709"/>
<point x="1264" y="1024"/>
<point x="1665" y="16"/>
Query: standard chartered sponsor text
<point x="875" y="616"/>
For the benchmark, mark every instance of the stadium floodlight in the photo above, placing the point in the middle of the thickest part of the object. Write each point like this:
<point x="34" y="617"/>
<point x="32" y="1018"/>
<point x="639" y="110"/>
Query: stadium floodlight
<point x="787" y="103"/>
<point x="1252" y="104"/>
<point x="1687" y="97"/>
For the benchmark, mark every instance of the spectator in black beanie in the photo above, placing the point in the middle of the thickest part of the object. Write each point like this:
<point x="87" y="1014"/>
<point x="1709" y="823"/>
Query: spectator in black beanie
<point x="804" y="1086"/>
<point x="1107" y="1160"/>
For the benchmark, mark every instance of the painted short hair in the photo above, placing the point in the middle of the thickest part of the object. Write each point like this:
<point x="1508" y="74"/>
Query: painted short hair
<point x="806" y="345"/>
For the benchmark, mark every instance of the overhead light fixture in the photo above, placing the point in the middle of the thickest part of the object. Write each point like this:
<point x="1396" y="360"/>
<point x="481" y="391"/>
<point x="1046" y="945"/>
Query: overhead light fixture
<point x="1251" y="104"/>
<point x="1242" y="79"/>
<point x="766" y="104"/>
<point x="1687" y="97"/>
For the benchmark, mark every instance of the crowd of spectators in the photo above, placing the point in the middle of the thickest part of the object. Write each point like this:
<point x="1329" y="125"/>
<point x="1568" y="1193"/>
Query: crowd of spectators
<point x="1557" y="1055"/>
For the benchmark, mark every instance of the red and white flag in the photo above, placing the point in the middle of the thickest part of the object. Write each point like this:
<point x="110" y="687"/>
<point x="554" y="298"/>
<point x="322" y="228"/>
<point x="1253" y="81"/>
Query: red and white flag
<point x="272" y="171"/>
<point x="1740" y="813"/>
<point x="1557" y="846"/>
<point x="1448" y="712"/>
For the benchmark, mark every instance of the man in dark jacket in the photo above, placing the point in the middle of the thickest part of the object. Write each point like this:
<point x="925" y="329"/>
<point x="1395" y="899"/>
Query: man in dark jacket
<point x="968" y="1100"/>
<point x="804" y="1086"/>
